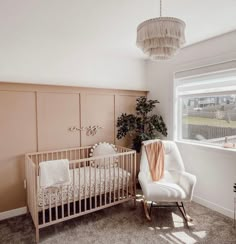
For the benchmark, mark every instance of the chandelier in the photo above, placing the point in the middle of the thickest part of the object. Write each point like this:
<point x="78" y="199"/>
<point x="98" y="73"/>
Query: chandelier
<point x="161" y="38"/>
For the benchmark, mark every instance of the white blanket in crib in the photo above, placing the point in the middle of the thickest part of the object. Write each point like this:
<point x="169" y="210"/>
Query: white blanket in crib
<point x="54" y="173"/>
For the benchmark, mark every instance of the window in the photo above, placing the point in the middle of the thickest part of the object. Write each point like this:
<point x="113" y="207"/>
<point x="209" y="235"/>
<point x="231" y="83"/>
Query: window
<point x="206" y="108"/>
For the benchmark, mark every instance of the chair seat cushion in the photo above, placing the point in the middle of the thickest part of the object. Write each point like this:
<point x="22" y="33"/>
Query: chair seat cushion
<point x="165" y="192"/>
<point x="167" y="189"/>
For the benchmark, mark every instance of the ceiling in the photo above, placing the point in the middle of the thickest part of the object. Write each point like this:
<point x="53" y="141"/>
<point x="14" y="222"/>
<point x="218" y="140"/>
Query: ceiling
<point x="107" y="27"/>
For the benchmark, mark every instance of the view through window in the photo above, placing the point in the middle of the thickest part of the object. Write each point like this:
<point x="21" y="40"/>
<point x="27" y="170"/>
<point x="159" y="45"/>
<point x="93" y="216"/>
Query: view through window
<point x="208" y="118"/>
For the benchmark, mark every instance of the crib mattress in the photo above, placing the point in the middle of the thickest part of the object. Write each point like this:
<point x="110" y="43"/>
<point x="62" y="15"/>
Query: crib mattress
<point x="85" y="182"/>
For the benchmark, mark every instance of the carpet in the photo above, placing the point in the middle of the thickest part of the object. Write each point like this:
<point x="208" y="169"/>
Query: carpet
<point x="122" y="224"/>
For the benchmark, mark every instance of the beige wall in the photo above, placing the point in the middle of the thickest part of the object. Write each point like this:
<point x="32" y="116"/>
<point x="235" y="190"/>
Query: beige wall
<point x="38" y="117"/>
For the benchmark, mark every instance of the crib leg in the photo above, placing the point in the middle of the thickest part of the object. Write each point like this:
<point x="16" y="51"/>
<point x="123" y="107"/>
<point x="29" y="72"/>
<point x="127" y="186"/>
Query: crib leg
<point x="37" y="235"/>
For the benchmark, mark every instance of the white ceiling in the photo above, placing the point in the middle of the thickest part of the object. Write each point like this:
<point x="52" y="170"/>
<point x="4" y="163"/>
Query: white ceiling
<point x="107" y="26"/>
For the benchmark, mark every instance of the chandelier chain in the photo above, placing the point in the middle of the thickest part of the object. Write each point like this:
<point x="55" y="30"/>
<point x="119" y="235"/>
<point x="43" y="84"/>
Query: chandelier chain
<point x="160" y="8"/>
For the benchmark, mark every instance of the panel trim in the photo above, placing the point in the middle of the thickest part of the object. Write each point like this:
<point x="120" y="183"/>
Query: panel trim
<point x="37" y="122"/>
<point x="9" y="86"/>
<point x="80" y="119"/>
<point x="115" y="128"/>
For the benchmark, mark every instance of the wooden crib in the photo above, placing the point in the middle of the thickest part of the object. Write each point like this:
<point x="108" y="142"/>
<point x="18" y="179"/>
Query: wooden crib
<point x="91" y="188"/>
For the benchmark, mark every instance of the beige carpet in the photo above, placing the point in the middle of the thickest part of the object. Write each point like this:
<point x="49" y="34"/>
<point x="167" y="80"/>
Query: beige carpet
<point x="122" y="224"/>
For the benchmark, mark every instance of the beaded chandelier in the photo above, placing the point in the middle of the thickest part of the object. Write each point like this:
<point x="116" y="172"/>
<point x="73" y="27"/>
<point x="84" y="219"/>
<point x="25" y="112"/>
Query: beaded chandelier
<point x="161" y="38"/>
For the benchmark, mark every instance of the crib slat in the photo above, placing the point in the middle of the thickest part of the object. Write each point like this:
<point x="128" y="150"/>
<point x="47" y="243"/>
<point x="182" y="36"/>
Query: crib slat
<point x="127" y="168"/>
<point x="43" y="205"/>
<point x="35" y="181"/>
<point x="62" y="204"/>
<point x="114" y="184"/>
<point x="68" y="200"/>
<point x="118" y="182"/>
<point x="95" y="185"/>
<point x="50" y="205"/>
<point x="35" y="194"/>
<point x="85" y="190"/>
<point x="79" y="190"/>
<point x="90" y="197"/>
<point x="56" y="204"/>
<point x="105" y="179"/>
<point x="100" y="183"/>
<point x="74" y="188"/>
<point x="31" y="189"/>
<point x="32" y="193"/>
<point x="131" y="176"/>
<point x="110" y="178"/>
<point x="122" y="176"/>
<point x="28" y="182"/>
<point x="134" y="173"/>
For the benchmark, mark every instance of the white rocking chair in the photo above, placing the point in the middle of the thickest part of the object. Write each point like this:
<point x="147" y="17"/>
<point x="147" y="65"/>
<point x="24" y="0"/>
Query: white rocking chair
<point x="175" y="187"/>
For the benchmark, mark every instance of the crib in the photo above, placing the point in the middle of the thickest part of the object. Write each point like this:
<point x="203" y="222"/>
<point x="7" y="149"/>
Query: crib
<point x="91" y="187"/>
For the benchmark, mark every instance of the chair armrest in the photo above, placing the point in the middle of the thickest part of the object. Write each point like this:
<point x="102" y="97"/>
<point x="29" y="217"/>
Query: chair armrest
<point x="142" y="178"/>
<point x="187" y="182"/>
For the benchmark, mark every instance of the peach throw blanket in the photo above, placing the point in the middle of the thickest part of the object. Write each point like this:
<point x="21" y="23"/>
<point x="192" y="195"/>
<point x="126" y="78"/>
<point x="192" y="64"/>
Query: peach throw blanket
<point x="155" y="155"/>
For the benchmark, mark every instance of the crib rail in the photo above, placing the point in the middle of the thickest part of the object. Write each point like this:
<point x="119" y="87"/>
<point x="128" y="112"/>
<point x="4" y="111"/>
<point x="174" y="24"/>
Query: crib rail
<point x="96" y="183"/>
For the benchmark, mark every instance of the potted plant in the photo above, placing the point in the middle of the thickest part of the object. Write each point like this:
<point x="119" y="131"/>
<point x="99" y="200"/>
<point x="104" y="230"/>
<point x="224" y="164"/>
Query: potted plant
<point x="144" y="125"/>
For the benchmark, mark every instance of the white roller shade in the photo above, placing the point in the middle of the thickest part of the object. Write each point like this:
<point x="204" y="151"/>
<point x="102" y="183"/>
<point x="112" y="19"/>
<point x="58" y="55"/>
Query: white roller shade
<point x="215" y="78"/>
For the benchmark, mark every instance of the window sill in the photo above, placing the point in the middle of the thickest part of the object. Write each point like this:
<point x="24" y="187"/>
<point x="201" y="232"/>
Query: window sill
<point x="206" y="146"/>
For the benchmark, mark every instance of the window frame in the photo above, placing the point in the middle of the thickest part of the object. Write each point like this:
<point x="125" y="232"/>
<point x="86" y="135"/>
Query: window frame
<point x="177" y="104"/>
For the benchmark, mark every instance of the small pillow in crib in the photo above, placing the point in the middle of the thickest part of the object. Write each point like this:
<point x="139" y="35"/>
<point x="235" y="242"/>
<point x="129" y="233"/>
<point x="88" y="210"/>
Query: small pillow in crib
<point x="103" y="149"/>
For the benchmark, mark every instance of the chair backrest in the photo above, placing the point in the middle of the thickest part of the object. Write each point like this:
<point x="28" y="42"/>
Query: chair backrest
<point x="173" y="159"/>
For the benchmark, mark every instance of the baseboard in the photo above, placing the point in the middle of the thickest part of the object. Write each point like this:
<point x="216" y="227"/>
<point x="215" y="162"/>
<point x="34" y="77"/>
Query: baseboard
<point x="13" y="213"/>
<point x="213" y="206"/>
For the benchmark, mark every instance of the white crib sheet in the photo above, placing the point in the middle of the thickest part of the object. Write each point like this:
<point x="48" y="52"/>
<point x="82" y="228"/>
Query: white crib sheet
<point x="82" y="181"/>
